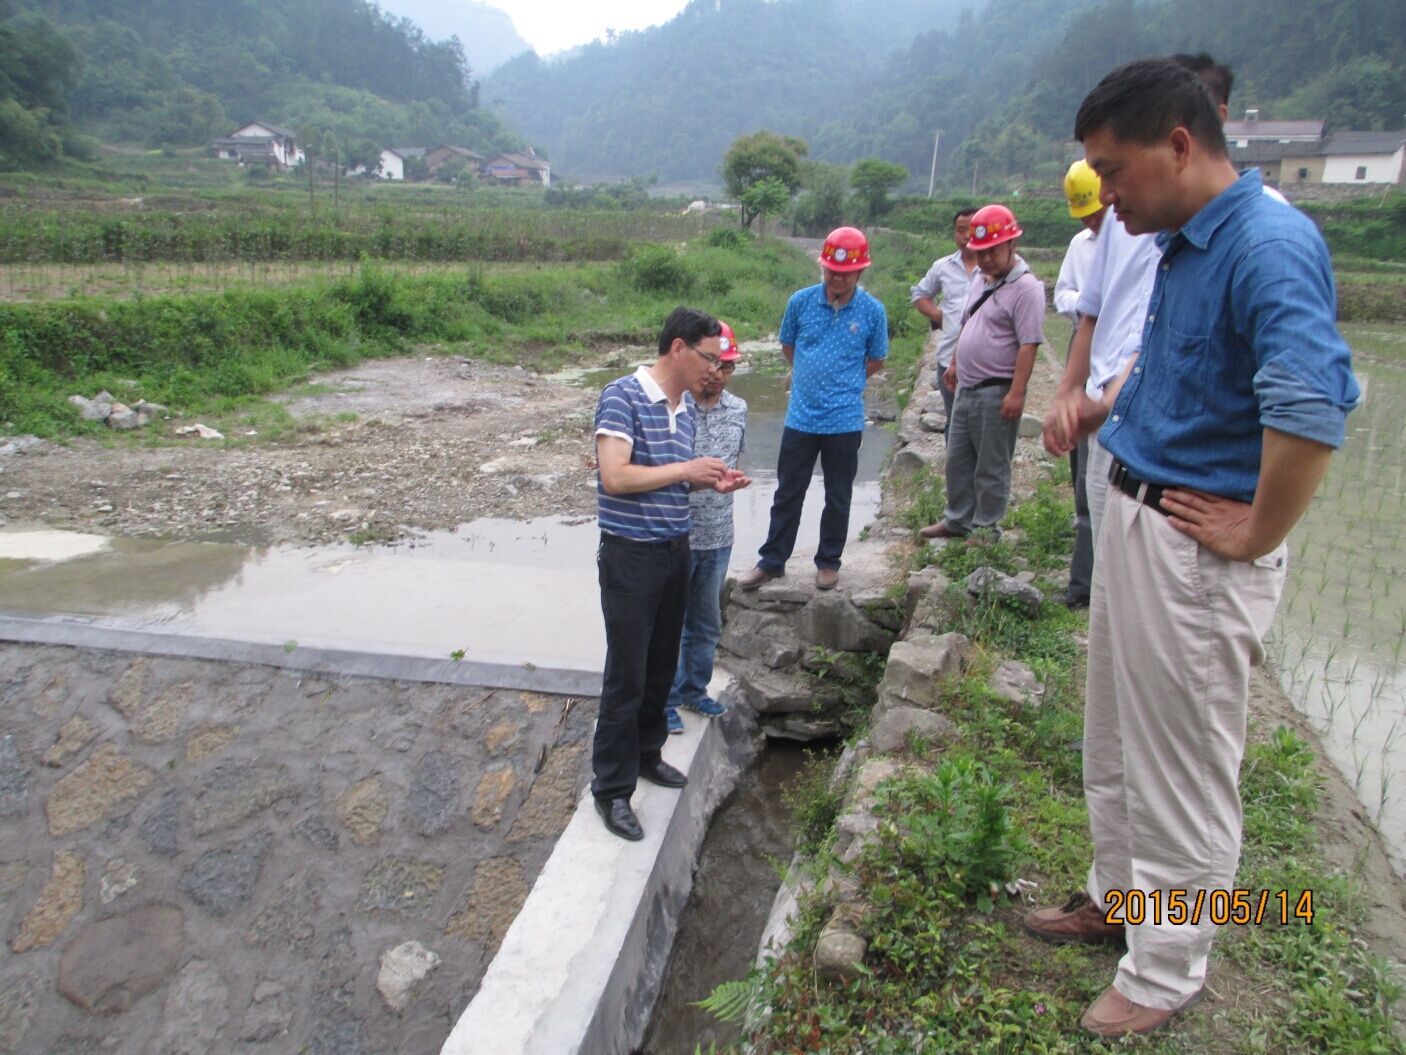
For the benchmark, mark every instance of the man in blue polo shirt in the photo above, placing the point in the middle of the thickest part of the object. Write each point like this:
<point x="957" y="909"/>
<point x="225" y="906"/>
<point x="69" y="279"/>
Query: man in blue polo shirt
<point x="1220" y="434"/>
<point x="644" y="453"/>
<point x="835" y="336"/>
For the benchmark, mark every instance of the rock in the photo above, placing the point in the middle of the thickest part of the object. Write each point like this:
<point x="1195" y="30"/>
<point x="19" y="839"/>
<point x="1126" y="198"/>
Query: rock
<point x="773" y="692"/>
<point x="15" y="444"/>
<point x="801" y="728"/>
<point x="1016" y="682"/>
<point x="895" y="727"/>
<point x="59" y="901"/>
<point x="925" y="582"/>
<point x="269" y="1016"/>
<point x="911" y="460"/>
<point x="127" y="694"/>
<point x="502" y="737"/>
<point x="933" y="422"/>
<point x="209" y="741"/>
<point x="831" y="621"/>
<point x="1030" y="427"/>
<point x="160" y="830"/>
<point x="17" y="1004"/>
<point x="141" y="406"/>
<point x="235" y="791"/>
<point x="286" y="922"/>
<point x="104" y="397"/>
<point x="839" y="951"/>
<point x="317" y="831"/>
<point x="879" y="605"/>
<point x="872" y="773"/>
<point x="119" y="876"/>
<point x="12" y="877"/>
<point x="221" y="880"/>
<point x="106" y="784"/>
<point x="196" y="1010"/>
<point x="400" y="884"/>
<point x="434" y="793"/>
<point x="402" y="968"/>
<point x="884" y="410"/>
<point x="849" y="668"/>
<point x="498" y="891"/>
<point x="14" y="778"/>
<point x="111" y="964"/>
<point x="491" y="796"/>
<point x="203" y="432"/>
<point x="123" y="417"/>
<point x="162" y="719"/>
<point x="90" y="410"/>
<point x="776" y="595"/>
<point x="768" y="638"/>
<point x="990" y="584"/>
<point x="1025" y="578"/>
<point x="362" y="808"/>
<point x="920" y="667"/>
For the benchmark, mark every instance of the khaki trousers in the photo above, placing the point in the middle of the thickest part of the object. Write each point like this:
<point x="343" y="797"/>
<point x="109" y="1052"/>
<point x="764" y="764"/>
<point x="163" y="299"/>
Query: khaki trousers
<point x="1173" y="633"/>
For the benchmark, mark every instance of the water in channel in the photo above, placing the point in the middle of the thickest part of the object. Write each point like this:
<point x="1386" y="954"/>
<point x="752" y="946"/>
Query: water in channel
<point x="748" y="845"/>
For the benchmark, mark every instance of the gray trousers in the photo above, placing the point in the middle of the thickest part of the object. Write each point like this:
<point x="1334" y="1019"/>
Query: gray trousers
<point x="980" y="446"/>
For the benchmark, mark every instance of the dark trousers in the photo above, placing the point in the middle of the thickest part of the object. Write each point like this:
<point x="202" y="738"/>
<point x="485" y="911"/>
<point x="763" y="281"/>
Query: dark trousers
<point x="643" y="596"/>
<point x="1081" y="568"/>
<point x="839" y="462"/>
<point x="947" y="396"/>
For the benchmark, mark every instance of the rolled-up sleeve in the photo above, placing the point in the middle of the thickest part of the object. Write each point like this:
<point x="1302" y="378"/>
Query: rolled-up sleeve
<point x="1284" y="307"/>
<point x="930" y="285"/>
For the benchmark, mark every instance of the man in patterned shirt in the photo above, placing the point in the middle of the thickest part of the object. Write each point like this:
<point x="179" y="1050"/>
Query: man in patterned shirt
<point x="721" y="433"/>
<point x="835" y="336"/>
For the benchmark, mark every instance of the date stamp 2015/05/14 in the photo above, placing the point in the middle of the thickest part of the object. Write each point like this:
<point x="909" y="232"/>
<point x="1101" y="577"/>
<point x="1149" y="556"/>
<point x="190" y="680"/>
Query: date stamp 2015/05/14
<point x="1184" y="908"/>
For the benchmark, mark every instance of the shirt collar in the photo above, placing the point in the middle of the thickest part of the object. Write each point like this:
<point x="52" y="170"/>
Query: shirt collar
<point x="1202" y="227"/>
<point x="653" y="392"/>
<point x="1019" y="268"/>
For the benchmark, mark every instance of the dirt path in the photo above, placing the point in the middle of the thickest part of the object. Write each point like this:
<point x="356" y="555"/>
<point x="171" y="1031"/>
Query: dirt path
<point x="389" y="448"/>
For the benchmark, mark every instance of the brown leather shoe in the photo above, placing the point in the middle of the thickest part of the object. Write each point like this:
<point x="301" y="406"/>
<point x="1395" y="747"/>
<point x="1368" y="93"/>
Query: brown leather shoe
<point x="1077" y="920"/>
<point x="750" y="580"/>
<point x="1114" y="1015"/>
<point x="938" y="530"/>
<point x="826" y="578"/>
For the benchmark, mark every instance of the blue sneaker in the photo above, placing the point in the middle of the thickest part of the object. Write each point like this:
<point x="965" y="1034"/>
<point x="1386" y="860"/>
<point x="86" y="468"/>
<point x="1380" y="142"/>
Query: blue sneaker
<point x="671" y="716"/>
<point x="707" y="707"/>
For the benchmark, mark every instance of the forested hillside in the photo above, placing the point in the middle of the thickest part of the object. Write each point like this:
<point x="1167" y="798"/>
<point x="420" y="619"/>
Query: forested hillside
<point x="1002" y="80"/>
<point x="181" y="71"/>
<point x="667" y="101"/>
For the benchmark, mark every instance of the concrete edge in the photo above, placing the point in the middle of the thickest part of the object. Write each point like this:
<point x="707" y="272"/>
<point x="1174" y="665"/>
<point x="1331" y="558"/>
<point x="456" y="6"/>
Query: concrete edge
<point x="581" y="966"/>
<point x="87" y="632"/>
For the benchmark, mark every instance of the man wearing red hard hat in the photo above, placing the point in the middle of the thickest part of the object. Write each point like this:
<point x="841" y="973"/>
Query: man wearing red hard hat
<point x="835" y="336"/>
<point x="1002" y="328"/>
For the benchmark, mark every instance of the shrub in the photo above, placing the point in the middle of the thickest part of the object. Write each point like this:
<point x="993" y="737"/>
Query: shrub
<point x="658" y="269"/>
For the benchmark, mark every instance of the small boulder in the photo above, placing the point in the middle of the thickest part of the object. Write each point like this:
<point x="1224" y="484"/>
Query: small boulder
<point x="123" y="417"/>
<point x="402" y="969"/>
<point x="895" y="727"/>
<point x="991" y="584"/>
<point x="1016" y="682"/>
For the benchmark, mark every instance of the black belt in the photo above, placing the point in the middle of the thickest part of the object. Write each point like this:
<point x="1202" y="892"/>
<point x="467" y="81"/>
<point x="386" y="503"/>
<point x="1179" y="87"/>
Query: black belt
<point x="991" y="381"/>
<point x="1140" y="490"/>
<point x="677" y="542"/>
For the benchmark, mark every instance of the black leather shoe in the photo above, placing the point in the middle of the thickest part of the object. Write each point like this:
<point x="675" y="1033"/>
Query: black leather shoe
<point x="620" y="819"/>
<point x="1073" y="600"/>
<point x="663" y="774"/>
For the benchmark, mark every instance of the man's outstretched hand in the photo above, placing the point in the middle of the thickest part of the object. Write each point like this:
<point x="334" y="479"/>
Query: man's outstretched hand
<point x="731" y="480"/>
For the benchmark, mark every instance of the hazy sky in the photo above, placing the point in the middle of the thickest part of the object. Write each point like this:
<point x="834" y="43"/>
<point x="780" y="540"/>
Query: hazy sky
<point x="554" y="25"/>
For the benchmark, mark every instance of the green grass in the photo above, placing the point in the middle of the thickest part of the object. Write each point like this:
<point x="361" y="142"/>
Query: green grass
<point x="948" y="967"/>
<point x="217" y="353"/>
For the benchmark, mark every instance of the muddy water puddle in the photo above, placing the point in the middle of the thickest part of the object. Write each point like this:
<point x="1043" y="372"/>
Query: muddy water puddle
<point x="495" y="591"/>
<point x="1339" y="642"/>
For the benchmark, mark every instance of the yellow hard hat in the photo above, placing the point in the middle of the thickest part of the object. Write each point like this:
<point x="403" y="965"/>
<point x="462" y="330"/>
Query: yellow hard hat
<point x="1081" y="187"/>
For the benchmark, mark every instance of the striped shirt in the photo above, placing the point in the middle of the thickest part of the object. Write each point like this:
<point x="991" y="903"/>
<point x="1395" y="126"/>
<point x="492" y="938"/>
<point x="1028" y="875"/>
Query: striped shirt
<point x="635" y="409"/>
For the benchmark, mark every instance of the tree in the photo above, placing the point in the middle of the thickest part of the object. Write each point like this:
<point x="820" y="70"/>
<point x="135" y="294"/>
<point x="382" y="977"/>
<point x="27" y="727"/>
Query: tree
<point x="872" y="180"/>
<point x="821" y="206"/>
<point x="1366" y="93"/>
<point x="764" y="198"/>
<point x="762" y="156"/>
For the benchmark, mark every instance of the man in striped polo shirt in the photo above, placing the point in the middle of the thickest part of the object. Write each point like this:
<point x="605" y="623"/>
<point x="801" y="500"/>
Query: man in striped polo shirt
<point x="644" y="451"/>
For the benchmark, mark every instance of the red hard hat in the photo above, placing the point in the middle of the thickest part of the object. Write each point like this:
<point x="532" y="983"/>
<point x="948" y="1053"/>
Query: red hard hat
<point x="846" y="249"/>
<point x="992" y="225"/>
<point x="727" y="345"/>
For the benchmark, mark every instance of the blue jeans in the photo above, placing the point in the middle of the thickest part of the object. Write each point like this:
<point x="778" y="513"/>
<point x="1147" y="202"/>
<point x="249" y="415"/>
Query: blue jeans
<point x="795" y="461"/>
<point x="702" y="625"/>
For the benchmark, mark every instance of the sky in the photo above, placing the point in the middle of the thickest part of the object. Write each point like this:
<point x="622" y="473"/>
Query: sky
<point x="555" y="25"/>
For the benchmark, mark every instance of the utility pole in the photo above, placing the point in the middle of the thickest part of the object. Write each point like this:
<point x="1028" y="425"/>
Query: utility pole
<point x="932" y="175"/>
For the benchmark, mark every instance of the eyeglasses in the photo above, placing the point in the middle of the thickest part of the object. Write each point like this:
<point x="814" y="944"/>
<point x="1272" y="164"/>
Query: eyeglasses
<point x="714" y="362"/>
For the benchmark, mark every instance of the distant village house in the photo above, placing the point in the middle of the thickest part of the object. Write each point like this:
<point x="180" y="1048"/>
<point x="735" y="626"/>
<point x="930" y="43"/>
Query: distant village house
<point x="518" y="170"/>
<point x="393" y="161"/>
<point x="259" y="143"/>
<point x="438" y="157"/>
<point x="1289" y="153"/>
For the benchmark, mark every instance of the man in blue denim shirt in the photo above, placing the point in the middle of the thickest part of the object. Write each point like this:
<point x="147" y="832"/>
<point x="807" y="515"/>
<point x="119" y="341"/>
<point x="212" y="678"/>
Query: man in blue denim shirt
<point x="1221" y="434"/>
